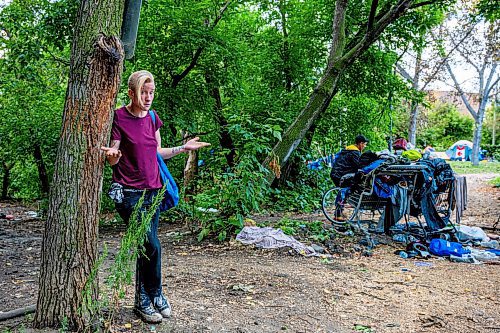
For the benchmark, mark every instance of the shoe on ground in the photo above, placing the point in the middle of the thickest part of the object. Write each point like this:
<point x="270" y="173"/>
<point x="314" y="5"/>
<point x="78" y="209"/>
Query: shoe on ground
<point x="148" y="314"/>
<point x="163" y="306"/>
<point x="340" y="217"/>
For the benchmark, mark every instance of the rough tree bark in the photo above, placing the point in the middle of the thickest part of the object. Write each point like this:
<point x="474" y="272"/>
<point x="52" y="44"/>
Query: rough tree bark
<point x="342" y="55"/>
<point x="69" y="248"/>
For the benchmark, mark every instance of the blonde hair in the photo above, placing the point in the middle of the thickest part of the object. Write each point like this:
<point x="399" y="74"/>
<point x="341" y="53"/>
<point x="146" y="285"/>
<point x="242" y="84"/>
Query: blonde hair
<point x="137" y="80"/>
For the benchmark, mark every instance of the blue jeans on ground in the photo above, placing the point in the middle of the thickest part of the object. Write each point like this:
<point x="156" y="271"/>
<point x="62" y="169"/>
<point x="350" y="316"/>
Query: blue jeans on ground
<point x="148" y="267"/>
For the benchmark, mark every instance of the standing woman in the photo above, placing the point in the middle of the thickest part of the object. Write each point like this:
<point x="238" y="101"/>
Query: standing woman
<point x="135" y="139"/>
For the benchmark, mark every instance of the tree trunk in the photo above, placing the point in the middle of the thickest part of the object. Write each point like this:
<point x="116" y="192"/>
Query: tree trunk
<point x="225" y="140"/>
<point x="42" y="170"/>
<point x="478" y="132"/>
<point x="476" y="143"/>
<point x="5" y="180"/>
<point x="412" y="128"/>
<point x="69" y="248"/>
<point x="190" y="169"/>
<point x="290" y="170"/>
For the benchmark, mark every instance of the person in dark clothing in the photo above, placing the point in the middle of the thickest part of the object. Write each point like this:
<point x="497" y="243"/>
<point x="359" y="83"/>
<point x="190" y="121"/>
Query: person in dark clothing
<point x="347" y="160"/>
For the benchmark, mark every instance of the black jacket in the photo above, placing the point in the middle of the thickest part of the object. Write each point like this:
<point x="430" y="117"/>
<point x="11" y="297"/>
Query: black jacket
<point x="346" y="161"/>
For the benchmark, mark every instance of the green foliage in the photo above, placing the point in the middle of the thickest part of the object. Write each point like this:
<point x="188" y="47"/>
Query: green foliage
<point x="495" y="182"/>
<point x="491" y="151"/>
<point x="31" y="93"/>
<point x="122" y="270"/>
<point x="490" y="123"/>
<point x="262" y="60"/>
<point x="488" y="9"/>
<point x="445" y="126"/>
<point x="302" y="195"/>
<point x="233" y="195"/>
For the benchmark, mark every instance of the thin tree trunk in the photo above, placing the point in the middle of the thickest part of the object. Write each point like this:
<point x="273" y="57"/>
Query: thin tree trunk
<point x="412" y="130"/>
<point x="291" y="168"/>
<point x="69" y="248"/>
<point x="190" y="169"/>
<point x="225" y="139"/>
<point x="42" y="170"/>
<point x="177" y="78"/>
<point x="476" y="141"/>
<point x="478" y="133"/>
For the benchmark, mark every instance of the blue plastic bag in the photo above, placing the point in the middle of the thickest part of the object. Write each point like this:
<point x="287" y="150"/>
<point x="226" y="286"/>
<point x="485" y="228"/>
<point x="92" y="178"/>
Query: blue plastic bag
<point x="441" y="247"/>
<point x="171" y="197"/>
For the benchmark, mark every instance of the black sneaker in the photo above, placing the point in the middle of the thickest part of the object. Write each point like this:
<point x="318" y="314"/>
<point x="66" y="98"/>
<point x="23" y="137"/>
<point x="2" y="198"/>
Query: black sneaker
<point x="148" y="314"/>
<point x="163" y="306"/>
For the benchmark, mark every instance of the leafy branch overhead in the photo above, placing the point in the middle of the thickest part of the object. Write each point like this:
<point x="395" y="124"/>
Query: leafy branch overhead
<point x="346" y="47"/>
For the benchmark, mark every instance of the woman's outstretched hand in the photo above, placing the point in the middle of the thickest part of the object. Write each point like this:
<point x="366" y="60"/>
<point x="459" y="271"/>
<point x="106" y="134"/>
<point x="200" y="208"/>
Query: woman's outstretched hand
<point x="195" y="144"/>
<point x="112" y="154"/>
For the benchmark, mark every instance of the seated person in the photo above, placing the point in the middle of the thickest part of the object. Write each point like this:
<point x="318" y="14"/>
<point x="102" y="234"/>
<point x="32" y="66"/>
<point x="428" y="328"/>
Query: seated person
<point x="347" y="160"/>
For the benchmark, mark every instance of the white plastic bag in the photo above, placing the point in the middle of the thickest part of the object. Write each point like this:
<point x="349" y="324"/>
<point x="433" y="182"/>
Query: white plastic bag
<point x="466" y="233"/>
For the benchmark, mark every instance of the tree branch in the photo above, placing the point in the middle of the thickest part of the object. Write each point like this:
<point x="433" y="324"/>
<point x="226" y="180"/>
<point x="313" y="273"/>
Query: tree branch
<point x="445" y="58"/>
<point x="338" y="33"/>
<point x="404" y="73"/>
<point x="462" y="93"/>
<point x="371" y="17"/>
<point x="361" y="43"/>
<point x="177" y="78"/>
<point x="489" y="86"/>
<point x="423" y="3"/>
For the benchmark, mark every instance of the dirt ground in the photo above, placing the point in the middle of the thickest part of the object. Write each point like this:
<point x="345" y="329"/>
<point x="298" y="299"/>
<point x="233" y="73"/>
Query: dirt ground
<point x="235" y="288"/>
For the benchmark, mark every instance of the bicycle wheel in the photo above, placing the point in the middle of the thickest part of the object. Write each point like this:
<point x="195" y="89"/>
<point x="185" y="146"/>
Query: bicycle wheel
<point x="444" y="201"/>
<point x="336" y="208"/>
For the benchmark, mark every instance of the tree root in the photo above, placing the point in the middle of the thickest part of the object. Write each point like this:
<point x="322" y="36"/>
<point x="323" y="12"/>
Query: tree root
<point x="17" y="312"/>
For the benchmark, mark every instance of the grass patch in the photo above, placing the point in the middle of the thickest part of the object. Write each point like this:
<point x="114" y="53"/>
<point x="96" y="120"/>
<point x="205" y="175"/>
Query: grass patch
<point x="467" y="167"/>
<point x="495" y="182"/>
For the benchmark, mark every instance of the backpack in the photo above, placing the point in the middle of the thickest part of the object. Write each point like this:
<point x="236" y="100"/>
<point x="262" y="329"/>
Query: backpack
<point x="400" y="143"/>
<point x="171" y="196"/>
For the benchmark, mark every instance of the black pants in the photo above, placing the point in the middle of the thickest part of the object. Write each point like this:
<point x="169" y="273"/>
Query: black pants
<point x="148" y="268"/>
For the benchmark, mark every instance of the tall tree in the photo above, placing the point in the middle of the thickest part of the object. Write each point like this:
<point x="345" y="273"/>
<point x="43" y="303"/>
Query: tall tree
<point x="69" y="248"/>
<point x="346" y="47"/>
<point x="428" y="67"/>
<point x="480" y="52"/>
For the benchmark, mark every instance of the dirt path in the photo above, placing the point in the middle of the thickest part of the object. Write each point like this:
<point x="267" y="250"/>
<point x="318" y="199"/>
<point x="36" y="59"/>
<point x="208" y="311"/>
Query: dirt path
<point x="236" y="288"/>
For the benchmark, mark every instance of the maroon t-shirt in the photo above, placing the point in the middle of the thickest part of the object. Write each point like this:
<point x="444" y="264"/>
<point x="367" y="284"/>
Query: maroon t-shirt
<point x="137" y="167"/>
